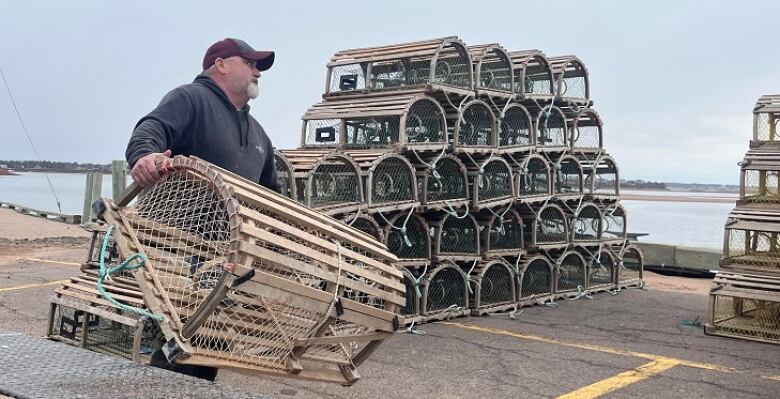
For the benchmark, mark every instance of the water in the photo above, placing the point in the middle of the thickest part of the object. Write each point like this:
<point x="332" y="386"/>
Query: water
<point x="692" y="224"/>
<point x="31" y="189"/>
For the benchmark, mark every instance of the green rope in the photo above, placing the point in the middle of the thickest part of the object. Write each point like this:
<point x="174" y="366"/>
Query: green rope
<point x="106" y="272"/>
<point x="693" y="323"/>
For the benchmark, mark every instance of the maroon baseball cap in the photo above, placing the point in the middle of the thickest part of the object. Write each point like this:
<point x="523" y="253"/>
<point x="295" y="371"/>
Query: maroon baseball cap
<point x="232" y="47"/>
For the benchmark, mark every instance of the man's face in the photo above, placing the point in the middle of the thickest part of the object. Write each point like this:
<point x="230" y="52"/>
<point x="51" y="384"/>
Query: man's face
<point x="243" y="77"/>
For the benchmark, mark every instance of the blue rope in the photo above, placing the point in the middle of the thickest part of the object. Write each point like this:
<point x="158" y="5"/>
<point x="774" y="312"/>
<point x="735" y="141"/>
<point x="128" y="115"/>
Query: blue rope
<point x="124" y="266"/>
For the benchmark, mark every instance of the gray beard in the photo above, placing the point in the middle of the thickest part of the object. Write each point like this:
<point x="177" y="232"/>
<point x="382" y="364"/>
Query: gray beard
<point x="253" y="90"/>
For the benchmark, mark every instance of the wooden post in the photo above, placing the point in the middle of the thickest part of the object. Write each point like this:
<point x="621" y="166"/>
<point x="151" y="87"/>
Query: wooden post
<point x="86" y="214"/>
<point x="118" y="179"/>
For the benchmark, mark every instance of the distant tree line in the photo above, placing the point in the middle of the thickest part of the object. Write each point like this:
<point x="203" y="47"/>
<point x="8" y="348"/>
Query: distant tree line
<point x="54" y="166"/>
<point x="641" y="184"/>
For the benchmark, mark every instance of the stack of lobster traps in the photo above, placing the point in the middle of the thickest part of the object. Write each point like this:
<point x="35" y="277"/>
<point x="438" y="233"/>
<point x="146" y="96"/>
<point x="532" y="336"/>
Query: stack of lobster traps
<point x="483" y="170"/>
<point x="745" y="298"/>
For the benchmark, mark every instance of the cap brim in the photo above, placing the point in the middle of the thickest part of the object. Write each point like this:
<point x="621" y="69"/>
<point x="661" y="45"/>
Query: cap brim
<point x="265" y="59"/>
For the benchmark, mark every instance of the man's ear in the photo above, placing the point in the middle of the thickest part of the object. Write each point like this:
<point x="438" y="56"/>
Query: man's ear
<point x="220" y="65"/>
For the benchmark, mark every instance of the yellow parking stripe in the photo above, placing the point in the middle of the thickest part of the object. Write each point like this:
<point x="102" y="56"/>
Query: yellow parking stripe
<point x="59" y="262"/>
<point x="597" y="348"/>
<point x="22" y="287"/>
<point x="621" y="380"/>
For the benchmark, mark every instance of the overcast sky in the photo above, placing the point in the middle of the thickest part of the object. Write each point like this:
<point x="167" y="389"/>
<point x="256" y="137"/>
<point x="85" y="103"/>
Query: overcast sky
<point x="675" y="82"/>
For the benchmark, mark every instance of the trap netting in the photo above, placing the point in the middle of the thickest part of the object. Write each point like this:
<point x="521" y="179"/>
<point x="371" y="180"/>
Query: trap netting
<point x="614" y="229"/>
<point x="759" y="178"/>
<point x="284" y="174"/>
<point x="490" y="182"/>
<point x="585" y="131"/>
<point x="492" y="69"/>
<point x="568" y="181"/>
<point x="533" y="178"/>
<point x="406" y="235"/>
<point x="515" y="128"/>
<point x="327" y="181"/>
<point x="536" y="279"/>
<point x="551" y="129"/>
<point x="391" y="183"/>
<point x="456" y="237"/>
<point x="474" y="127"/>
<point x="601" y="269"/>
<point x="365" y="223"/>
<point x="745" y="306"/>
<point x="571" y="78"/>
<point x="766" y="115"/>
<point x="570" y="273"/>
<point x="586" y="225"/>
<point x="444" y="184"/>
<point x="630" y="265"/>
<point x="494" y="285"/>
<point x="502" y="232"/>
<point x="445" y="290"/>
<point x="248" y="279"/>
<point x="533" y="76"/>
<point x="601" y="175"/>
<point x="548" y="227"/>
<point x="752" y="240"/>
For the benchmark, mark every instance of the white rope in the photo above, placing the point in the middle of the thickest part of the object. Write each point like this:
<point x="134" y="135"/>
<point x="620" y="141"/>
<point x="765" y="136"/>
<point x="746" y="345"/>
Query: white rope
<point x="402" y="229"/>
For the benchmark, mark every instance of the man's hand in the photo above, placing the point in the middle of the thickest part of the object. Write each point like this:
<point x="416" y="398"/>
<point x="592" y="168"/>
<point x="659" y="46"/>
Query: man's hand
<point x="151" y="168"/>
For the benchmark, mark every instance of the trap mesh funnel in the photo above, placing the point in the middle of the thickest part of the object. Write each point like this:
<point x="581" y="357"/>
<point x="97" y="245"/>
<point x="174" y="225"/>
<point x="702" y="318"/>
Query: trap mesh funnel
<point x="745" y="306"/>
<point x="533" y="76"/>
<point x="532" y="177"/>
<point x="502" y="232"/>
<point x="759" y="178"/>
<point x="445" y="292"/>
<point x="396" y="122"/>
<point x="766" y="115"/>
<point x="515" y="129"/>
<point x="571" y="79"/>
<point x="614" y="229"/>
<point x="438" y="64"/>
<point x="585" y="131"/>
<point x="442" y="182"/>
<point x="493" y="72"/>
<point x="284" y="172"/>
<point x="388" y="180"/>
<point x="490" y="181"/>
<point x="568" y="181"/>
<point x="536" y="280"/>
<point x="455" y="236"/>
<point x="601" y="176"/>
<point x="630" y="265"/>
<point x="570" y="273"/>
<point x="494" y="287"/>
<point x="550" y="127"/>
<point x="752" y="241"/>
<point x="245" y="278"/>
<point x="327" y="181"/>
<point x="473" y="127"/>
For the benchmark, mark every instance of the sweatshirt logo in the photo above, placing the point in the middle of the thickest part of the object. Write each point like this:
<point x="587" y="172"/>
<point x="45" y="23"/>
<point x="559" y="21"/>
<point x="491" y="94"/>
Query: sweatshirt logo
<point x="260" y="149"/>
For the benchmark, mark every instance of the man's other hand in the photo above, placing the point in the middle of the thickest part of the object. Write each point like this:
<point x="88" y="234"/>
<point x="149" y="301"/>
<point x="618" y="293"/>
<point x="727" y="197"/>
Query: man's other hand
<point x="151" y="168"/>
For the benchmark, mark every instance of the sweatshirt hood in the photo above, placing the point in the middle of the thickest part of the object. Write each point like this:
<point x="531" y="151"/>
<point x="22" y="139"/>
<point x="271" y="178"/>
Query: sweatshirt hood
<point x="242" y="114"/>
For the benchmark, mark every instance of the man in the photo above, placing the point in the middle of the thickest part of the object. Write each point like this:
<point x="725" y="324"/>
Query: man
<point x="209" y="118"/>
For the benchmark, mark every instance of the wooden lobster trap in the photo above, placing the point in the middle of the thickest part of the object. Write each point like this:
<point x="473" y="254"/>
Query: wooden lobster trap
<point x="410" y="313"/>
<point x="245" y="278"/>
<point x="630" y="270"/>
<point x="571" y="80"/>
<point x="614" y="229"/>
<point x="493" y="71"/>
<point x="586" y="132"/>
<point x="601" y="176"/>
<point x="495" y="289"/>
<point x="397" y="122"/>
<point x="587" y="222"/>
<point x="473" y="127"/>
<point x="537" y="282"/>
<point x="365" y="223"/>
<point x="389" y="181"/>
<point x="285" y="174"/>
<point x="532" y="177"/>
<point x="407" y="237"/>
<point x="601" y="268"/>
<point x="455" y="236"/>
<point x="568" y="181"/>
<point x="515" y="129"/>
<point x="442" y="64"/>
<point x="502" y="232"/>
<point x="548" y="227"/>
<point x="751" y="241"/>
<point x="442" y="182"/>
<point x="327" y="181"/>
<point x="759" y="182"/>
<point x="571" y="274"/>
<point x="445" y="292"/>
<point x="490" y="181"/>
<point x="766" y="115"/>
<point x="745" y="306"/>
<point x="550" y="127"/>
<point x="533" y="75"/>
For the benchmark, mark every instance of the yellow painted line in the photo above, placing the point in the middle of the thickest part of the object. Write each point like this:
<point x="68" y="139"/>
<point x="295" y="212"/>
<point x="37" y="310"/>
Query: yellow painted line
<point x="621" y="380"/>
<point x="22" y="287"/>
<point x="596" y="348"/>
<point x="59" y="262"/>
<point x="771" y="377"/>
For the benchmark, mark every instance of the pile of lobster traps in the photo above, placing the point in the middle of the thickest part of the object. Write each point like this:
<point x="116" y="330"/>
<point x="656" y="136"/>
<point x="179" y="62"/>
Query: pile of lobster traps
<point x="482" y="169"/>
<point x="745" y="298"/>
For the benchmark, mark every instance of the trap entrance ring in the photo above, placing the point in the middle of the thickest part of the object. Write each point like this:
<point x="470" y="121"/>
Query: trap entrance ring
<point x="586" y="132"/>
<point x="533" y="75"/>
<point x="409" y="240"/>
<point x="515" y="130"/>
<point x="571" y="80"/>
<point x="442" y="182"/>
<point x="490" y="182"/>
<point x="532" y="178"/>
<point x="752" y="242"/>
<point x="614" y="225"/>
<point x="327" y="181"/>
<point x="602" y="179"/>
<point x="474" y="128"/>
<point x="441" y="64"/>
<point x="445" y="292"/>
<point x="397" y="122"/>
<point x="760" y="178"/>
<point x="568" y="180"/>
<point x="548" y="228"/>
<point x="587" y="225"/>
<point x="455" y="238"/>
<point x="246" y="278"/>
<point x="502" y="233"/>
<point x="389" y="180"/>
<point x="495" y="290"/>
<point x="570" y="274"/>
<point x="630" y="271"/>
<point x="535" y="281"/>
<point x="493" y="71"/>
<point x="766" y="116"/>
<point x="285" y="175"/>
